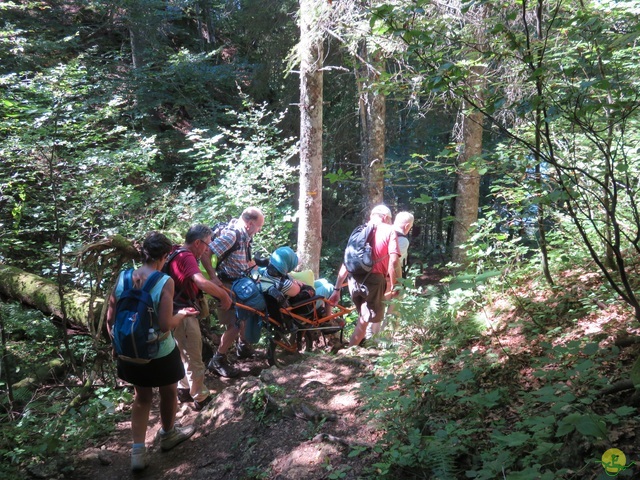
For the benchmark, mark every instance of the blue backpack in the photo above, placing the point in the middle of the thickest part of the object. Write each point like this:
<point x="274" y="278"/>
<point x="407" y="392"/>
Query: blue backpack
<point x="249" y="293"/>
<point x="135" y="316"/>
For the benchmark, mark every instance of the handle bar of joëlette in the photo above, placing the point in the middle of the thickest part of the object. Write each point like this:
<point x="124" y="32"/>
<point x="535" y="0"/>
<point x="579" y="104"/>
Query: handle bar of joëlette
<point x="337" y="311"/>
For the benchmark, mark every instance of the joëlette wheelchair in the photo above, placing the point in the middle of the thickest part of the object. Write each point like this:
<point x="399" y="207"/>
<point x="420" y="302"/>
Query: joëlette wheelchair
<point x="293" y="327"/>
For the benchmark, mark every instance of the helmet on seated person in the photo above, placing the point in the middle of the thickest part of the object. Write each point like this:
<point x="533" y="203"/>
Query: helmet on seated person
<point x="283" y="260"/>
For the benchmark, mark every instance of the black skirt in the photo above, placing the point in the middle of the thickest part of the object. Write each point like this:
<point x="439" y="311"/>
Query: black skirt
<point x="157" y="373"/>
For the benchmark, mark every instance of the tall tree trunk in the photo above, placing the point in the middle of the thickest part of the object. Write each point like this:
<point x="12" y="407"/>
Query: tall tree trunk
<point x="144" y="26"/>
<point x="542" y="235"/>
<point x="310" y="201"/>
<point x="206" y="25"/>
<point x="372" y="107"/>
<point x="468" y="181"/>
<point x="4" y="364"/>
<point x="541" y="229"/>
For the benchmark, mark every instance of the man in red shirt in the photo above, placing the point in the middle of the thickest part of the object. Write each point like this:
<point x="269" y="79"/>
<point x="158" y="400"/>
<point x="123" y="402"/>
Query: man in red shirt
<point x="380" y="281"/>
<point x="189" y="282"/>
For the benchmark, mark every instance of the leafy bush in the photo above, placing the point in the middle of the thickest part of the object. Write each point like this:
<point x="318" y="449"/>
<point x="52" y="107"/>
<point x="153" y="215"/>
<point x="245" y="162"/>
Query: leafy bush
<point x="457" y="403"/>
<point x="35" y="427"/>
<point x="252" y="160"/>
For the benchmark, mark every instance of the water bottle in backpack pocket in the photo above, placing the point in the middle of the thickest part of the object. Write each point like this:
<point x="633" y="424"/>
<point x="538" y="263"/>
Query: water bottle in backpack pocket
<point x="135" y="330"/>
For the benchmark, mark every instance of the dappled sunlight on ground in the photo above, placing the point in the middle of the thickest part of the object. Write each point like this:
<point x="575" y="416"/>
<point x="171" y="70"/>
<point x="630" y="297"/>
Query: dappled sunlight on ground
<point x="302" y="432"/>
<point x="341" y="401"/>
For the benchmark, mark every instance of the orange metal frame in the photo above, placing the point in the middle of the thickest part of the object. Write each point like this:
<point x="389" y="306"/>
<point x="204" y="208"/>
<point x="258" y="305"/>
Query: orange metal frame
<point x="310" y="323"/>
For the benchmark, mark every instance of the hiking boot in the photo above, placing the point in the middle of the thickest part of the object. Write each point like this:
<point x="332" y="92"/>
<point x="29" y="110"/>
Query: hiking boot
<point x="138" y="459"/>
<point x="200" y="404"/>
<point x="176" y="435"/>
<point x="184" y="396"/>
<point x="244" y="350"/>
<point x="220" y="365"/>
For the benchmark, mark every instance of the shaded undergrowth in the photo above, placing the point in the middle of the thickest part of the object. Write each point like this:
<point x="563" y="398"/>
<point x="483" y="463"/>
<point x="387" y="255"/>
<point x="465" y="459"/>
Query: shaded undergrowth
<point x="511" y="388"/>
<point x="478" y="382"/>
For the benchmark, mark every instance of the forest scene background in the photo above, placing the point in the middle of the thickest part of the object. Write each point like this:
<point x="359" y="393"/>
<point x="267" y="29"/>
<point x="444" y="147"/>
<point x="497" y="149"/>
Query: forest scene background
<point x="510" y="130"/>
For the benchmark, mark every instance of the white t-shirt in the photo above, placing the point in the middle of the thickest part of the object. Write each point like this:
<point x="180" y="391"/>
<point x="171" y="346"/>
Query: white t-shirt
<point x="403" y="243"/>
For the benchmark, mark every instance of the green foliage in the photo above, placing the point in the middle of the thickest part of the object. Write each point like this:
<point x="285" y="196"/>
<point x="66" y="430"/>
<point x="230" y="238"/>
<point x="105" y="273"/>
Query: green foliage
<point x="256" y="473"/>
<point x="35" y="427"/>
<point x="336" y="473"/>
<point x="451" y="411"/>
<point x="59" y="125"/>
<point x="427" y="314"/>
<point x="253" y="160"/>
<point x="260" y="398"/>
<point x="90" y="116"/>
<point x="32" y="340"/>
<point x="314" y="428"/>
<point x="562" y="99"/>
<point x="43" y="433"/>
<point x="424" y="313"/>
<point x="93" y="146"/>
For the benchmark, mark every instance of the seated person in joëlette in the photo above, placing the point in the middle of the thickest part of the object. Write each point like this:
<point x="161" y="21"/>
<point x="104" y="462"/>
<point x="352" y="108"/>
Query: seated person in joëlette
<point x="282" y="289"/>
<point x="276" y="274"/>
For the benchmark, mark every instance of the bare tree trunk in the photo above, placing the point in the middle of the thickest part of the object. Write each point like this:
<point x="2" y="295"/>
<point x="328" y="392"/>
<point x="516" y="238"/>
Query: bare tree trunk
<point x="4" y="364"/>
<point x="310" y="201"/>
<point x="139" y="20"/>
<point x="206" y="25"/>
<point x="372" y="106"/>
<point x="144" y="19"/>
<point x="468" y="182"/>
<point x="542" y="232"/>
<point x="538" y="176"/>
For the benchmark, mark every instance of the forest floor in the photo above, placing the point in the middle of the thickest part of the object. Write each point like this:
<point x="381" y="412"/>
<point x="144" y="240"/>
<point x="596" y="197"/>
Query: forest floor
<point x="311" y="422"/>
<point x="308" y="419"/>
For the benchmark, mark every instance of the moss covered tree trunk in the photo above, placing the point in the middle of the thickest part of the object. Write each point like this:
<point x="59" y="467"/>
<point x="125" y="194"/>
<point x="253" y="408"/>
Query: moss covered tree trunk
<point x="42" y="294"/>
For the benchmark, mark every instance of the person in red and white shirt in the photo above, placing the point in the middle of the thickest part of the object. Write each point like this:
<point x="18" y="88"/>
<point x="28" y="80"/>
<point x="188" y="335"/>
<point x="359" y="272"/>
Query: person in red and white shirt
<point x="380" y="281"/>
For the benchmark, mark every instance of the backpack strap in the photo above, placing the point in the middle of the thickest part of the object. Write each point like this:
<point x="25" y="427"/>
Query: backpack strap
<point x="127" y="280"/>
<point x="277" y="283"/>
<point x="152" y="280"/>
<point x="372" y="233"/>
<point x="172" y="255"/>
<point x="233" y="248"/>
<point x="149" y="284"/>
<point x="165" y="269"/>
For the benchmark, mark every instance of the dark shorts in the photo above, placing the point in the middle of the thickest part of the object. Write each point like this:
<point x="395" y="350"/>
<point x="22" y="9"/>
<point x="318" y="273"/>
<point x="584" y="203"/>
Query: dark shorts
<point x="157" y="373"/>
<point x="370" y="309"/>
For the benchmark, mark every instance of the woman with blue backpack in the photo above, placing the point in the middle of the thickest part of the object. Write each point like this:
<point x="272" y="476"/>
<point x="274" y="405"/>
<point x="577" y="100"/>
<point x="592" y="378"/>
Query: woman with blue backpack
<point x="140" y="321"/>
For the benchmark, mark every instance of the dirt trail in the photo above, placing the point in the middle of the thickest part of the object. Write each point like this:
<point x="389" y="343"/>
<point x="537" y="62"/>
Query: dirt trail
<point x="306" y="429"/>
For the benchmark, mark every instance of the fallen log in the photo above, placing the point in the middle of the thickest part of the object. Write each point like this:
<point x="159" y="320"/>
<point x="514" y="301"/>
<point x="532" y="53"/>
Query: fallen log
<point x="54" y="368"/>
<point x="42" y="294"/>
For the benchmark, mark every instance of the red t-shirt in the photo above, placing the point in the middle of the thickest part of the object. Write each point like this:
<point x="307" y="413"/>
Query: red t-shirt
<point x="385" y="242"/>
<point x="182" y="268"/>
